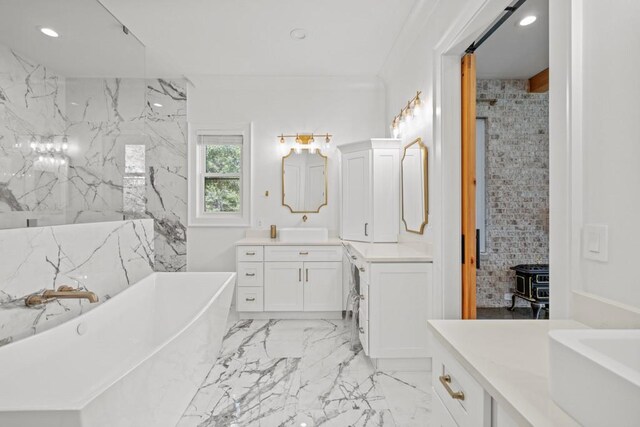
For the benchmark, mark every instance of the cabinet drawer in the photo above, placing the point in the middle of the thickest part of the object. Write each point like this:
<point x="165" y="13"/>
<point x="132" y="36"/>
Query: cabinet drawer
<point x="250" y="299"/>
<point x="303" y="253"/>
<point x="250" y="253"/>
<point x="474" y="408"/>
<point x="250" y="274"/>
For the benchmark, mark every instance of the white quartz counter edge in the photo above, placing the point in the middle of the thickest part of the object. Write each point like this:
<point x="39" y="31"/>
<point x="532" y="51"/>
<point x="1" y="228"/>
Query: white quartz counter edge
<point x="266" y="241"/>
<point x="389" y="252"/>
<point x="497" y="359"/>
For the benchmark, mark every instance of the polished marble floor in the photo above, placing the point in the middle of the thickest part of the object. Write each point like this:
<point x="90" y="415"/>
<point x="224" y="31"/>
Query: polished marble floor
<point x="302" y="373"/>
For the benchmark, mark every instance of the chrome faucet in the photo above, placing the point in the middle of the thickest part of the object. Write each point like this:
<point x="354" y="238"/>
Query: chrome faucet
<point x="63" y="292"/>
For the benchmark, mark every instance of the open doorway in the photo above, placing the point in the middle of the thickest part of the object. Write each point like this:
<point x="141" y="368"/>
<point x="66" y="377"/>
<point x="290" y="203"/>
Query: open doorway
<point x="505" y="167"/>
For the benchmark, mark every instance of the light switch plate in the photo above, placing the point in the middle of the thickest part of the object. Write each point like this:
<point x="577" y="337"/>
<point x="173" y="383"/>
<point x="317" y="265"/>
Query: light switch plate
<point x="595" y="242"/>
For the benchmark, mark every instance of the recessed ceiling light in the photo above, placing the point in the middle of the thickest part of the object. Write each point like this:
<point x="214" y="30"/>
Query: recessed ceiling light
<point x="157" y="104"/>
<point x="298" y="34"/>
<point x="49" y="32"/>
<point x="527" y="20"/>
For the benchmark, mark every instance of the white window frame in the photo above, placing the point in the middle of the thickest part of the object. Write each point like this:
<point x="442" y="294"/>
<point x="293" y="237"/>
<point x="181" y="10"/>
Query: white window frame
<point x="197" y="216"/>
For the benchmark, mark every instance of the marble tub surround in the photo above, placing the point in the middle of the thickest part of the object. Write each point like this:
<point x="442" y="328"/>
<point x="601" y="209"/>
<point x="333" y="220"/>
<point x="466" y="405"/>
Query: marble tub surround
<point x="288" y="372"/>
<point x="112" y="256"/>
<point x="510" y="361"/>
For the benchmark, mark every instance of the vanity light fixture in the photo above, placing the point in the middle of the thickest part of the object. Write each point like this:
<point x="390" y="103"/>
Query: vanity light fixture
<point x="527" y="20"/>
<point x="407" y="114"/>
<point x="304" y="141"/>
<point x="49" y="151"/>
<point x="49" y="32"/>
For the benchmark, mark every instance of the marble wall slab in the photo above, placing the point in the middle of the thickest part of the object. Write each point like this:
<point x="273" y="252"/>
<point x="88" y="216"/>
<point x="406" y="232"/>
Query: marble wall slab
<point x="127" y="156"/>
<point x="112" y="256"/>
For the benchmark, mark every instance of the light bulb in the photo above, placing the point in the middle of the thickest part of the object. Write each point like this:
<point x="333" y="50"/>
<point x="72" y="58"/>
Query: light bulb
<point x="396" y="132"/>
<point x="283" y="148"/>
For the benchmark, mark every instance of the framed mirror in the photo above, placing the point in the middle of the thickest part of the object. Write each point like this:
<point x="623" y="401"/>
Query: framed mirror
<point x="304" y="181"/>
<point x="415" y="192"/>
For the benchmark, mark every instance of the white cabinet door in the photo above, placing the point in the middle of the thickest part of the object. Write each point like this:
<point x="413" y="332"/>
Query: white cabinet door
<point x="440" y="415"/>
<point x="399" y="308"/>
<point x="356" y="196"/>
<point x="322" y="286"/>
<point x="283" y="286"/>
<point x="386" y="195"/>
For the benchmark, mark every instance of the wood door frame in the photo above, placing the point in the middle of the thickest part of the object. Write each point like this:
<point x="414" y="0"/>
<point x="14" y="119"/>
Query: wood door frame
<point x="476" y="17"/>
<point x="468" y="185"/>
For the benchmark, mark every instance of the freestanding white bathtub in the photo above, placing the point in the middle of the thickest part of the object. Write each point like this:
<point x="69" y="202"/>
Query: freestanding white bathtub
<point x="136" y="360"/>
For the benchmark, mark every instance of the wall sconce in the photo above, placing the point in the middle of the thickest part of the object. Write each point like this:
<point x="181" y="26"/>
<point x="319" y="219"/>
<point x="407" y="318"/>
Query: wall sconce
<point x="304" y="141"/>
<point x="406" y="116"/>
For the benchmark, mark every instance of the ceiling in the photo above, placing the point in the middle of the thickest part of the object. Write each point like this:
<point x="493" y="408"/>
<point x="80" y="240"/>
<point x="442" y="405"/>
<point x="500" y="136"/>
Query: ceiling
<point x="91" y="42"/>
<point x="251" y="37"/>
<point x="515" y="52"/>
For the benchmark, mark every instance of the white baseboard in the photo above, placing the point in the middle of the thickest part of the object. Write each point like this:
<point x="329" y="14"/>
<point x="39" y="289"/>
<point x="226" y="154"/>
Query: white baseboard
<point x="405" y="365"/>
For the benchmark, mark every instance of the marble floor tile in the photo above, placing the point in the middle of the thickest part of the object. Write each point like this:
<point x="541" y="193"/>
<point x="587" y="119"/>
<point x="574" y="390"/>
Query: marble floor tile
<point x="303" y="372"/>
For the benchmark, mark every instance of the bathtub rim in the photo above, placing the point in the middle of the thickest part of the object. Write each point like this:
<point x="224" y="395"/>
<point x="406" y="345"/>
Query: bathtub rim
<point x="83" y="402"/>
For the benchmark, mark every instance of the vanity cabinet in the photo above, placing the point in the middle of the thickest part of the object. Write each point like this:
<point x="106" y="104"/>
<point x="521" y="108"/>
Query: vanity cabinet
<point x="394" y="309"/>
<point x="370" y="190"/>
<point x="458" y="399"/>
<point x="289" y="278"/>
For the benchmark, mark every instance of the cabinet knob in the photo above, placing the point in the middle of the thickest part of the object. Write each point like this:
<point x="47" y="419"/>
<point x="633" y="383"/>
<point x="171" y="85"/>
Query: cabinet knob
<point x="304" y="253"/>
<point x="250" y="253"/>
<point x="361" y="269"/>
<point x="361" y="329"/>
<point x="250" y="299"/>
<point x="250" y="274"/>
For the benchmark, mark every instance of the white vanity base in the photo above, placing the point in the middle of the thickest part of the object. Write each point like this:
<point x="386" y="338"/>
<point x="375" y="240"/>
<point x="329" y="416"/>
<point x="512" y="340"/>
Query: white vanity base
<point x="291" y="315"/>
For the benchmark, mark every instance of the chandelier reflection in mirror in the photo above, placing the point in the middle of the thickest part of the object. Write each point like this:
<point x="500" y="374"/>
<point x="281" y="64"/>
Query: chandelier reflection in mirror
<point x="312" y="142"/>
<point x="49" y="152"/>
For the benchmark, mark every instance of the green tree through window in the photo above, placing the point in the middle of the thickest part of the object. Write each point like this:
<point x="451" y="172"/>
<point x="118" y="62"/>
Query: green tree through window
<point x="222" y="178"/>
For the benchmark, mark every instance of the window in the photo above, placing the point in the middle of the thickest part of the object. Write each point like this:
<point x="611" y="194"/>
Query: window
<point x="219" y="179"/>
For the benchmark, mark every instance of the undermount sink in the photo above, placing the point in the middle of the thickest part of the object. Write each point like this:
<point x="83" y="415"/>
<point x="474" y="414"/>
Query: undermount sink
<point x="595" y="375"/>
<point x="303" y="235"/>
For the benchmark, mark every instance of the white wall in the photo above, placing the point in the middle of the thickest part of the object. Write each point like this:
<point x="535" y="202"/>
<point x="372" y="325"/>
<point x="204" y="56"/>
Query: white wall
<point x="351" y="109"/>
<point x="427" y="58"/>
<point x="596" y="166"/>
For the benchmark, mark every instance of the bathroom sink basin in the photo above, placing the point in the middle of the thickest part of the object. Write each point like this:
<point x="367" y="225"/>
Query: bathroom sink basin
<point x="595" y="375"/>
<point x="304" y="235"/>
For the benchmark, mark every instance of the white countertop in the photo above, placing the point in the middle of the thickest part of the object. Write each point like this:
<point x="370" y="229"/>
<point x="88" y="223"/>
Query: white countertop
<point x="510" y="360"/>
<point x="266" y="241"/>
<point x="391" y="252"/>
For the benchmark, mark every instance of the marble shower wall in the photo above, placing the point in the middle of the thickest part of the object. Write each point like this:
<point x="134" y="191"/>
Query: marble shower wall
<point x="127" y="154"/>
<point x="128" y="141"/>
<point x="112" y="256"/>
<point x="31" y="106"/>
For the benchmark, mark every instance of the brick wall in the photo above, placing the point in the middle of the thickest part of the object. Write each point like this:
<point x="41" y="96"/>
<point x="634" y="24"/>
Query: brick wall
<point x="517" y="184"/>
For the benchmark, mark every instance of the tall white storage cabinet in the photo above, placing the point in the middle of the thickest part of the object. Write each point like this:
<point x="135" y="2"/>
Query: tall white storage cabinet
<point x="370" y="190"/>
